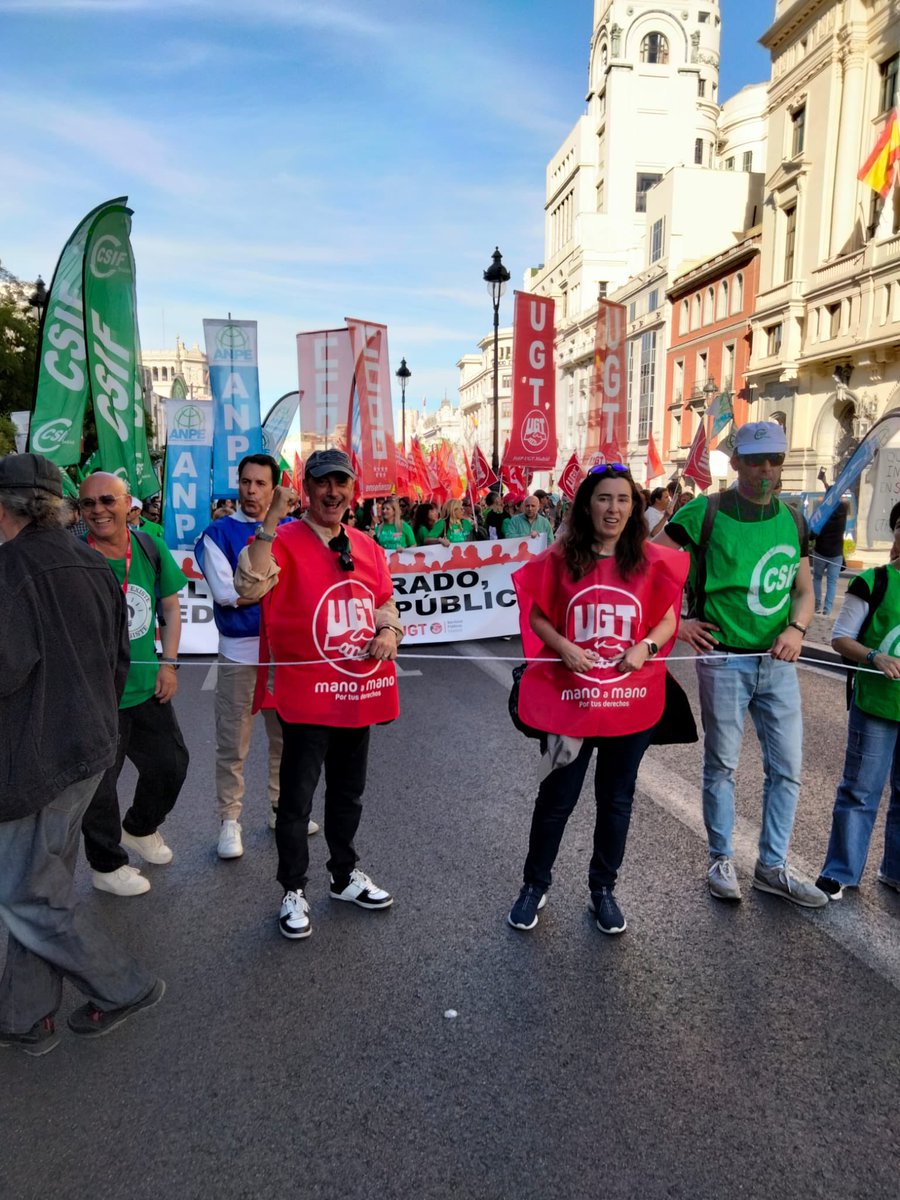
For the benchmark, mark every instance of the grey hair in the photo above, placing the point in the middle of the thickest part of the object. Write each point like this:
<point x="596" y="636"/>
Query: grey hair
<point x="34" y="506"/>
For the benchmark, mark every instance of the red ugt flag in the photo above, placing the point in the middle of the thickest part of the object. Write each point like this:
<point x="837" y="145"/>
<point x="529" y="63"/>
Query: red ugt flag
<point x="698" y="459"/>
<point x="571" y="477"/>
<point x="482" y="475"/>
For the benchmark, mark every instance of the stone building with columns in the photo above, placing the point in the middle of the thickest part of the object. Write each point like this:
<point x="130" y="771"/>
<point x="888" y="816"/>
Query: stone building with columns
<point x="826" y="329"/>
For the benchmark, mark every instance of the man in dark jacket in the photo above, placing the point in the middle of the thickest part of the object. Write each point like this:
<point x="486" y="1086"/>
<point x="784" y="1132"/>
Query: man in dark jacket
<point x="63" y="661"/>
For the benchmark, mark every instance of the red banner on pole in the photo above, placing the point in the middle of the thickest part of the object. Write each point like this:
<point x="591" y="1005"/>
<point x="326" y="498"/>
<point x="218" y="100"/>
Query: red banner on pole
<point x="482" y="474"/>
<point x="571" y="477"/>
<point x="532" y="440"/>
<point x="376" y="419"/>
<point x="607" y="423"/>
<point x="325" y="372"/>
<point x="698" y="459"/>
<point x="654" y="462"/>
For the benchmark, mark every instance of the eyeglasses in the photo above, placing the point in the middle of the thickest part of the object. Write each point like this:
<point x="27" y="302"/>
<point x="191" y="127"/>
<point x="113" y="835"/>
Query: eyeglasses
<point x="341" y="546"/>
<point x="757" y="460"/>
<point x="89" y="502"/>
<point x="610" y="468"/>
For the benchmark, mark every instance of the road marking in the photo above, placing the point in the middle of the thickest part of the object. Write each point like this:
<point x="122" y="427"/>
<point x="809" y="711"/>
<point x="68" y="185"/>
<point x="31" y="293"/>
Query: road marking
<point x="868" y="935"/>
<point x="209" y="683"/>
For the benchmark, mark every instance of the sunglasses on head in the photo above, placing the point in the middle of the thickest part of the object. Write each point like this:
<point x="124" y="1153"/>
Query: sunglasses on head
<point x="757" y="460"/>
<point x="341" y="546"/>
<point x="610" y="469"/>
<point x="90" y="502"/>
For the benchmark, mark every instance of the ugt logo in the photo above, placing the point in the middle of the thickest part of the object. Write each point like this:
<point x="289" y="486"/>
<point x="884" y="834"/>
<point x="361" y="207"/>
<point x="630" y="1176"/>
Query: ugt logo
<point x="603" y="619"/>
<point x="535" y="432"/>
<point x="343" y="626"/>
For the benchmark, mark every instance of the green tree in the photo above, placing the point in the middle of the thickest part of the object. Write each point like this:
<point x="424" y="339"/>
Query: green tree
<point x="18" y="346"/>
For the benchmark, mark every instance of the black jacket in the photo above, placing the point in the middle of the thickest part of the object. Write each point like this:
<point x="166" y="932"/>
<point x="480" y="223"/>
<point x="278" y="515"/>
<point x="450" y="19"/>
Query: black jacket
<point x="63" y="661"/>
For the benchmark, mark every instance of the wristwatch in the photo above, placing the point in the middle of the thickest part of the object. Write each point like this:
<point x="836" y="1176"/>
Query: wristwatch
<point x="262" y="536"/>
<point x="170" y="662"/>
<point x="654" y="649"/>
<point x="870" y="657"/>
<point x="797" y="625"/>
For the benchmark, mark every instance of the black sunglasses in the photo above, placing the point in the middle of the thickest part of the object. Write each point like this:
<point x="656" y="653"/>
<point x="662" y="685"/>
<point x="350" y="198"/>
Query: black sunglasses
<point x="89" y="502"/>
<point x="757" y="460"/>
<point x="341" y="546"/>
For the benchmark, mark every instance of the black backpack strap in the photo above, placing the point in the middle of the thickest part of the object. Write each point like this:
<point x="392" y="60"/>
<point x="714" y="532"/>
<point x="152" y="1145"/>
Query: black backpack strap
<point x="713" y="503"/>
<point x="150" y="547"/>
<point x="876" y="595"/>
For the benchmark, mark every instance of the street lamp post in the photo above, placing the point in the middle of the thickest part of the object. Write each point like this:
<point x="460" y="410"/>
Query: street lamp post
<point x="710" y="390"/>
<point x="496" y="277"/>
<point x="38" y="299"/>
<point x="403" y="373"/>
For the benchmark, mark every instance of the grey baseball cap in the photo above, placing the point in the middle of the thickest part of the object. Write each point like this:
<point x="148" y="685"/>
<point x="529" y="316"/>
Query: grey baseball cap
<point x="19" y="471"/>
<point x="329" y="462"/>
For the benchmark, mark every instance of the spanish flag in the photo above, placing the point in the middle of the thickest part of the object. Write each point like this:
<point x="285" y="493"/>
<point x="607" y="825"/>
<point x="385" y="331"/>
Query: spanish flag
<point x="878" y="169"/>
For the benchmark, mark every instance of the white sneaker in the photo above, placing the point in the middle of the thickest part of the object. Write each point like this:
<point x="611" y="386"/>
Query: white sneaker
<point x="722" y="880"/>
<point x="151" y="847"/>
<point x="363" y="891"/>
<point x="230" y="844"/>
<point x="127" y="881"/>
<point x="293" y="920"/>
<point x="312" y="827"/>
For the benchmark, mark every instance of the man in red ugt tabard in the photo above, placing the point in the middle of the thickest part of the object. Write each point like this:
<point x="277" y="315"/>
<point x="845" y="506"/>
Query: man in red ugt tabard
<point x="331" y="626"/>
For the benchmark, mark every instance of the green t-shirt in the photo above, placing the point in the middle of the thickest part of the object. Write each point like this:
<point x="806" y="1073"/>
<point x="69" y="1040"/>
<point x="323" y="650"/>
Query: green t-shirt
<point x="141" y="598"/>
<point x="459" y="532"/>
<point x="752" y="559"/>
<point x="518" y="526"/>
<point x="389" y="537"/>
<point x="876" y="694"/>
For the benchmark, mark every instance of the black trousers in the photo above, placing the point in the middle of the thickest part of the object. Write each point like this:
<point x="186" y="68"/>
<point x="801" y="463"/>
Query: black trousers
<point x="344" y="753"/>
<point x="149" y="735"/>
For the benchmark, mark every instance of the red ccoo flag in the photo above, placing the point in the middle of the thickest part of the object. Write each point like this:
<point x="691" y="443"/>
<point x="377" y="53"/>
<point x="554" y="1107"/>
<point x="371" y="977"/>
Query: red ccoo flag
<point x="698" y="459"/>
<point x="654" y="462"/>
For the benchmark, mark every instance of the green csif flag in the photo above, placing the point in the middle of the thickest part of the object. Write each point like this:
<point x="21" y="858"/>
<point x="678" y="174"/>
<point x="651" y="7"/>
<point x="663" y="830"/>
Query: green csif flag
<point x="62" y="390"/>
<point x="113" y="355"/>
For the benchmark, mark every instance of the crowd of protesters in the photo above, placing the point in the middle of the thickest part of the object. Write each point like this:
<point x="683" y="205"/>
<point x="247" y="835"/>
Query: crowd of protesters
<point x="600" y="609"/>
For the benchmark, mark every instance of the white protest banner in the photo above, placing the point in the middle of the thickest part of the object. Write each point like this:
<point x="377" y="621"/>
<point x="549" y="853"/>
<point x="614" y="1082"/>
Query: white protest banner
<point x="460" y="592"/>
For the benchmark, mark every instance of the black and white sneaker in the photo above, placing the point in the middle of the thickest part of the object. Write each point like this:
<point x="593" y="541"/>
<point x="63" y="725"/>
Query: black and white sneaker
<point x="609" y="916"/>
<point x="832" y="889"/>
<point x="361" y="890"/>
<point x="293" y="920"/>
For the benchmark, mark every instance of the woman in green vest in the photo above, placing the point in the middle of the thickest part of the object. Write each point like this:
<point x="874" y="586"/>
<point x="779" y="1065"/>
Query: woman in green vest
<point x="452" y="527"/>
<point x="392" y="532"/>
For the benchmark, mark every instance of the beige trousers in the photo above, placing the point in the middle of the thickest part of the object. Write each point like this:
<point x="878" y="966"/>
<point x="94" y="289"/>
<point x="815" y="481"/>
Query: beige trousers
<point x="235" y="684"/>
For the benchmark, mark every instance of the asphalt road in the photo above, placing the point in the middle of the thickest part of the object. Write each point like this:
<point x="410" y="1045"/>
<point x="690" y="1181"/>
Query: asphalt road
<point x="711" y="1051"/>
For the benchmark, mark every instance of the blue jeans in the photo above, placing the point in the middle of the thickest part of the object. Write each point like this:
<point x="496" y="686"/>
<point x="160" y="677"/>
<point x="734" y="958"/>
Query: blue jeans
<point x="618" y="759"/>
<point x="872" y="752"/>
<point x="831" y="569"/>
<point x="767" y="688"/>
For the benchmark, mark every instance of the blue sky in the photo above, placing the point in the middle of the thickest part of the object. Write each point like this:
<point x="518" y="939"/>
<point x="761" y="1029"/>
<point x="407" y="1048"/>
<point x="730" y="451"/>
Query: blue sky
<point x="301" y="161"/>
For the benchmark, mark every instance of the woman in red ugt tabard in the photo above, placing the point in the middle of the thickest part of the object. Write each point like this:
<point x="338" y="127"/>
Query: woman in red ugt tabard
<point x="598" y="612"/>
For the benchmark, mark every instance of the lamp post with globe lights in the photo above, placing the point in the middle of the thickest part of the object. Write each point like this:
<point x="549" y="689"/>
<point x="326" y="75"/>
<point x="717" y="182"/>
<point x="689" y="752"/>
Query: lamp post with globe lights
<point x="496" y="277"/>
<point x="404" y="374"/>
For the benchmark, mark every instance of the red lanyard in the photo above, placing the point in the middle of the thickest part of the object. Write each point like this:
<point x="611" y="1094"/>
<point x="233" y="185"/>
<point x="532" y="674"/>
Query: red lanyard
<point x="92" y="543"/>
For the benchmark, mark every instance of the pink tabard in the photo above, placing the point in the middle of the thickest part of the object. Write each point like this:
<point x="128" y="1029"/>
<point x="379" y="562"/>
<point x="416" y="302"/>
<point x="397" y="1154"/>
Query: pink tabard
<point x="320" y="614"/>
<point x="605" y="613"/>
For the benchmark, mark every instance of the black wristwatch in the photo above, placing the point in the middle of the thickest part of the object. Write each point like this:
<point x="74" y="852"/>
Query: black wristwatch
<point x="654" y="649"/>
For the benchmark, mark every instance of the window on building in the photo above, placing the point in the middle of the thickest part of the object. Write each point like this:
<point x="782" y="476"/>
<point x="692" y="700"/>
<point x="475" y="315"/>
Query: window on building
<point x="747" y="164"/>
<point x="695" y="312"/>
<point x="888" y="73"/>
<point x="700" y="375"/>
<point x="678" y="382"/>
<point x="698" y="151"/>
<point x="737" y="295"/>
<point x="656" y="239"/>
<point x="774" y="335"/>
<point x="708" y="306"/>
<point x="655" y="49"/>
<point x="685" y="322"/>
<point x="834" y="319"/>
<point x="156" y="372"/>
<point x="631" y="350"/>
<point x="653" y="301"/>
<point x="602" y="288"/>
<point x="632" y="310"/>
<point x="645" y="181"/>
<point x="722" y="300"/>
<point x="790" y="239"/>
<point x="703" y="18"/>
<point x="726" y="383"/>
<point x="729" y="163"/>
<point x="647" y="384"/>
<point x="601" y="195"/>
<point x="798" y="131"/>
<point x="701" y="87"/>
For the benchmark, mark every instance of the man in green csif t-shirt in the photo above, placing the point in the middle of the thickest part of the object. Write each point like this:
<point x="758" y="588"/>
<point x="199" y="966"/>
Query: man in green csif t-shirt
<point x="149" y="734"/>
<point x="751" y="577"/>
